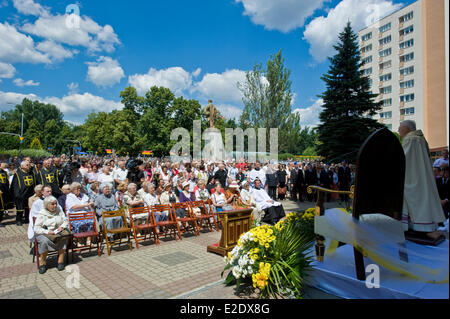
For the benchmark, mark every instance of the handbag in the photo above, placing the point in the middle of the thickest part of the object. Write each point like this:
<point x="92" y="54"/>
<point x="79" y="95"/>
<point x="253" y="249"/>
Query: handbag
<point x="281" y="190"/>
<point x="64" y="234"/>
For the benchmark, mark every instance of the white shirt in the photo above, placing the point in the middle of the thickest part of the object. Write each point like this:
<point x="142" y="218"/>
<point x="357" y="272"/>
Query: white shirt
<point x="72" y="200"/>
<point x="220" y="199"/>
<point x="120" y="174"/>
<point x="192" y="185"/>
<point x="102" y="178"/>
<point x="232" y="172"/>
<point x="261" y="198"/>
<point x="150" y="199"/>
<point x="258" y="174"/>
<point x="440" y="161"/>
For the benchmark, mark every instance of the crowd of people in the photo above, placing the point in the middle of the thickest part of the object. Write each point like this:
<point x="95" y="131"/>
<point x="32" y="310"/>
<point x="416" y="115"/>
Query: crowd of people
<point x="50" y="189"/>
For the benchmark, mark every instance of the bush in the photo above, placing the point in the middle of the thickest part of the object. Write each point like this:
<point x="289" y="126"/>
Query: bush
<point x="26" y="152"/>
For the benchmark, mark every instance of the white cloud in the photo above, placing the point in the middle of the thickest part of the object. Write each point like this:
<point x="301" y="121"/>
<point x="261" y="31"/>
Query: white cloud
<point x="174" y="78"/>
<point x="83" y="103"/>
<point x="54" y="51"/>
<point x="105" y="72"/>
<point x="18" y="47"/>
<point x="89" y="34"/>
<point x="7" y="71"/>
<point x="322" y="32"/>
<point x="22" y="83"/>
<point x="309" y="117"/>
<point x="196" y="72"/>
<point x="29" y="7"/>
<point x="71" y="105"/>
<point x="282" y="15"/>
<point x="229" y="111"/>
<point x="221" y="87"/>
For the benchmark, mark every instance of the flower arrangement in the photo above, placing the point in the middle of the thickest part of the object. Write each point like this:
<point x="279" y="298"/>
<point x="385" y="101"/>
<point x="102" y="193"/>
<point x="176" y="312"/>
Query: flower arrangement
<point x="273" y="259"/>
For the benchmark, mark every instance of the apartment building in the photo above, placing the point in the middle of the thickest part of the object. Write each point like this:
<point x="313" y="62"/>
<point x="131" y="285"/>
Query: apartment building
<point x="406" y="57"/>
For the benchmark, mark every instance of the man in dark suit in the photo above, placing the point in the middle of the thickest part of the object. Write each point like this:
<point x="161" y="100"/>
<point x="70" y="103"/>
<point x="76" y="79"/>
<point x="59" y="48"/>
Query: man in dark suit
<point x="442" y="186"/>
<point x="300" y="183"/>
<point x="344" y="177"/>
<point x="293" y="182"/>
<point x="310" y="179"/>
<point x="326" y="179"/>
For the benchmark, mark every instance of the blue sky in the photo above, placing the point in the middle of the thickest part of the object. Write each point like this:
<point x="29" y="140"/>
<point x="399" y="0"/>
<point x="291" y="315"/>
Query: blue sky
<point x="199" y="49"/>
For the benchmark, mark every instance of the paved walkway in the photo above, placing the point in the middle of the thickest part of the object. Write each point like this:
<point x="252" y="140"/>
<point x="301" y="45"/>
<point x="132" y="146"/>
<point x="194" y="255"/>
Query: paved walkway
<point x="174" y="269"/>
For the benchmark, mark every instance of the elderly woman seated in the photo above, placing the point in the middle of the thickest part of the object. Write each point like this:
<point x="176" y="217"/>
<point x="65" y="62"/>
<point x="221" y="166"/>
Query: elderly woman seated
<point x="151" y="198"/>
<point x="106" y="202"/>
<point x="50" y="222"/>
<point x="77" y="202"/>
<point x="220" y="202"/>
<point x="133" y="199"/>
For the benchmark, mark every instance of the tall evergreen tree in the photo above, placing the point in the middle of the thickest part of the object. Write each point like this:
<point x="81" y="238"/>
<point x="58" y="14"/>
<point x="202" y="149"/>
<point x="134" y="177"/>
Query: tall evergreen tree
<point x="348" y="103"/>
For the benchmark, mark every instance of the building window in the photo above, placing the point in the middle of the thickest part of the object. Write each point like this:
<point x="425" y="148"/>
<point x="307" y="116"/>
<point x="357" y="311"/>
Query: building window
<point x="407" y="84"/>
<point x="408" y="70"/>
<point x="407" y="111"/>
<point x="370" y="84"/>
<point x="407" y="44"/>
<point x="385" y="40"/>
<point x="386" y="90"/>
<point x="386" y="52"/>
<point x="367" y="36"/>
<point x="407" y="57"/>
<point x="367" y="48"/>
<point x="387" y="102"/>
<point x="407" y="98"/>
<point x="385" y="65"/>
<point x="366" y="60"/>
<point x="407" y="30"/>
<point x="385" y="27"/>
<point x="367" y="71"/>
<point x="386" y="77"/>
<point x="406" y="17"/>
<point x="386" y="115"/>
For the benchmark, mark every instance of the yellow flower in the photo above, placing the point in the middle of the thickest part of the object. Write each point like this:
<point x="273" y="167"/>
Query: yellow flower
<point x="267" y="245"/>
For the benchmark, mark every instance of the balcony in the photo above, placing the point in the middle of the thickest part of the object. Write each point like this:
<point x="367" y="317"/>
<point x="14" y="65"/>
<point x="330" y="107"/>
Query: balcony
<point x="380" y="35"/>
<point x="401" y="38"/>
<point x="402" y="104"/>
<point x="401" y="51"/>
<point x="381" y="46"/>
<point x="380" y="84"/>
<point x="380" y="59"/>
<point x="402" y="64"/>
<point x="402" y="117"/>
<point x="400" y="25"/>
<point x="402" y="77"/>
<point x="402" y="91"/>
<point x="380" y="95"/>
<point x="381" y="71"/>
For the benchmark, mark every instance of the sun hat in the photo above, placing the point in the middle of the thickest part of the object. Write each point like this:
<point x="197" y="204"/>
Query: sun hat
<point x="185" y="184"/>
<point x="233" y="184"/>
<point x="167" y="184"/>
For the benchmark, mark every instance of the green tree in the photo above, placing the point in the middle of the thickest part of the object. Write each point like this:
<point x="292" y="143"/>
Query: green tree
<point x="132" y="101"/>
<point x="348" y="103"/>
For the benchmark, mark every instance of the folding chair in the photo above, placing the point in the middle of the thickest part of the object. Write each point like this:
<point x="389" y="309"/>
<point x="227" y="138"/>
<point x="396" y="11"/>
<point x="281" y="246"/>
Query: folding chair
<point x="170" y="225"/>
<point x="118" y="231"/>
<point x="204" y="220"/>
<point x="189" y="222"/>
<point x="214" y="214"/>
<point x="50" y="253"/>
<point x="147" y="228"/>
<point x="76" y="240"/>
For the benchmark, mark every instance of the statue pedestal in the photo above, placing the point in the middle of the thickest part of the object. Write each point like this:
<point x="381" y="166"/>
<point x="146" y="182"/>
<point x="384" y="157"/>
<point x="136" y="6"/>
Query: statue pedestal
<point x="234" y="224"/>
<point x="214" y="149"/>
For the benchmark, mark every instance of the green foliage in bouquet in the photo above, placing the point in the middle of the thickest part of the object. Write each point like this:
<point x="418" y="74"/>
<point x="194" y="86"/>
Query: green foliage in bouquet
<point x="275" y="259"/>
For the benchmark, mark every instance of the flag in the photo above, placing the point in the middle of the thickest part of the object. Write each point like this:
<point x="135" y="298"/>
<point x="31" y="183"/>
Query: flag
<point x="109" y="151"/>
<point x="147" y="152"/>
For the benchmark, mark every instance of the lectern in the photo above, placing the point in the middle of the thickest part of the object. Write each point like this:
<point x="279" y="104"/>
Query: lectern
<point x="234" y="224"/>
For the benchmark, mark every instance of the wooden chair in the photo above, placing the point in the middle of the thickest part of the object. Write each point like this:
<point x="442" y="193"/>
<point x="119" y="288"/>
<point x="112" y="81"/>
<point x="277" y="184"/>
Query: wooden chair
<point x="204" y="220"/>
<point x="78" y="237"/>
<point x="37" y="256"/>
<point x="381" y="155"/>
<point x="189" y="222"/>
<point x="141" y="231"/>
<point x="118" y="231"/>
<point x="215" y="215"/>
<point x="170" y="225"/>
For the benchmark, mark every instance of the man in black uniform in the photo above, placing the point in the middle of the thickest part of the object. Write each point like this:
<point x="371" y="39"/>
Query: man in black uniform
<point x="6" y="200"/>
<point x="221" y="175"/>
<point x="310" y="179"/>
<point x="48" y="176"/>
<point x="59" y="171"/>
<point x="344" y="177"/>
<point x="326" y="179"/>
<point x="22" y="188"/>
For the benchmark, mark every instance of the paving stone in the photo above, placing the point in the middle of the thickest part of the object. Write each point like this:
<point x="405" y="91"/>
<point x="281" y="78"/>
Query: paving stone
<point x="25" y="293"/>
<point x="5" y="254"/>
<point x="175" y="258"/>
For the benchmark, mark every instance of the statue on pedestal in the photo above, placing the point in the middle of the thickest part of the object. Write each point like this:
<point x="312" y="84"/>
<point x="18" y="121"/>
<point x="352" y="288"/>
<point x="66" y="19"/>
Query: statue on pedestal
<point x="211" y="113"/>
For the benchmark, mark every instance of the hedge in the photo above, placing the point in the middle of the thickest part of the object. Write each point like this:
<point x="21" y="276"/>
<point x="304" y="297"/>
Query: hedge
<point x="26" y="152"/>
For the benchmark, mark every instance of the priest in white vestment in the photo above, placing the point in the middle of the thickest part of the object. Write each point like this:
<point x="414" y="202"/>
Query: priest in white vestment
<point x="257" y="173"/>
<point x="422" y="210"/>
<point x="274" y="211"/>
